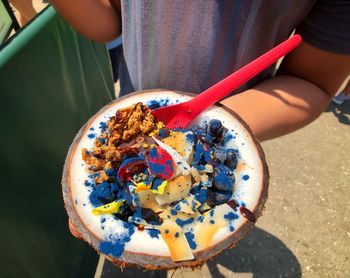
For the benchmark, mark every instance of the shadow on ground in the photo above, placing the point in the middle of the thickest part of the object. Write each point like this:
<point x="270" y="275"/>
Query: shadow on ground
<point x="342" y="112"/>
<point x="260" y="254"/>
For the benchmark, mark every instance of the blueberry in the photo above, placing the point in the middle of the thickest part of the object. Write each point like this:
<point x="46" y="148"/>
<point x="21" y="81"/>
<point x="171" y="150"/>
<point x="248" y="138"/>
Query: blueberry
<point x="222" y="197"/>
<point x="215" y="198"/>
<point x="214" y="162"/>
<point x="231" y="159"/>
<point x="105" y="192"/>
<point x="215" y="128"/>
<point x="206" y="138"/>
<point x="210" y="197"/>
<point x="223" y="178"/>
<point x="201" y="153"/>
<point x="198" y="131"/>
<point x="220" y="154"/>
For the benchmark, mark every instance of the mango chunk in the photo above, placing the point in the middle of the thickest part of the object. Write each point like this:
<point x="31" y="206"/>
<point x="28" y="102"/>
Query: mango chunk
<point x="176" y="241"/>
<point x="182" y="142"/>
<point x="212" y="221"/>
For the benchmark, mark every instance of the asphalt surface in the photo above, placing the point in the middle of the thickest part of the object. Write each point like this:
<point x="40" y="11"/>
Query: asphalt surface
<point x="305" y="228"/>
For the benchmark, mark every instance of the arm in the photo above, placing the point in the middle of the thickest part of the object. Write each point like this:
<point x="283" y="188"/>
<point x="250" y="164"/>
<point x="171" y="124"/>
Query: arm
<point x="25" y="9"/>
<point x="304" y="86"/>
<point x="96" y="20"/>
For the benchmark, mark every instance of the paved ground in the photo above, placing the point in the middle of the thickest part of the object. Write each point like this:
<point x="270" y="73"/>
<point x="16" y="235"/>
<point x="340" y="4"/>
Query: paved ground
<point x="305" y="230"/>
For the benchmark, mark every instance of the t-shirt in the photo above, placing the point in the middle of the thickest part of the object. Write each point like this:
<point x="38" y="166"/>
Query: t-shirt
<point x="189" y="45"/>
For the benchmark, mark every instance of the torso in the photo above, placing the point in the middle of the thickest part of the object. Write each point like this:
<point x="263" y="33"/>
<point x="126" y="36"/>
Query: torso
<point x="190" y="45"/>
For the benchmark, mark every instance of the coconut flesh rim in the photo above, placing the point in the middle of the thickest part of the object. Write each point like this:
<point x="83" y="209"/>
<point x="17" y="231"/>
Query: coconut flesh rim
<point x="250" y="188"/>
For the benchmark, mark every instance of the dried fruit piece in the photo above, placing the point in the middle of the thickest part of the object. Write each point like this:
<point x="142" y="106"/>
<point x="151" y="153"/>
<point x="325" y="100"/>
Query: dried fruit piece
<point x="129" y="167"/>
<point x="160" y="163"/>
<point x="181" y="165"/>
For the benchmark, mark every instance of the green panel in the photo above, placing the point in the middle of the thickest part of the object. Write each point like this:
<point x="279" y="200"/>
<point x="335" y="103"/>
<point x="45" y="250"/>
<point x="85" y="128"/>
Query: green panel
<point x="5" y="22"/>
<point x="51" y="81"/>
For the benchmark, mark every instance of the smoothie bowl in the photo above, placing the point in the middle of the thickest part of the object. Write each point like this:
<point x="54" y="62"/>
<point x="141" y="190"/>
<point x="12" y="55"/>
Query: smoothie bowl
<point x="142" y="194"/>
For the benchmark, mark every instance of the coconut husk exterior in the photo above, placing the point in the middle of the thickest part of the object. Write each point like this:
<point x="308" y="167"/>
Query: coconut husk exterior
<point x="152" y="262"/>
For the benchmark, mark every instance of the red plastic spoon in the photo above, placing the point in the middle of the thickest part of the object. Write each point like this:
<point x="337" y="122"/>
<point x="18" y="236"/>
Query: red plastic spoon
<point x="180" y="115"/>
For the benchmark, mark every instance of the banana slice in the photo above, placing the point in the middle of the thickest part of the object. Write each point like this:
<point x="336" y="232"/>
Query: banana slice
<point x="176" y="189"/>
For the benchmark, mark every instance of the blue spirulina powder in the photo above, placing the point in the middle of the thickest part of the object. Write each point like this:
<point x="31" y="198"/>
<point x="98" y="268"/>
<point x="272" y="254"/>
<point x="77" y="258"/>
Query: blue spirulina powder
<point x="116" y="244"/>
<point x="154" y="233"/>
<point x="228" y="137"/>
<point x="88" y="183"/>
<point x="182" y="223"/>
<point x="230" y="217"/>
<point x="154" y="104"/>
<point x="103" y="126"/>
<point x="173" y="211"/>
<point x="190" y="239"/>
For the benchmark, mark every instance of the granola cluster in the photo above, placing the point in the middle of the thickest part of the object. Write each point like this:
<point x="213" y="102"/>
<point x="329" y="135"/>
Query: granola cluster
<point x="125" y="133"/>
